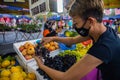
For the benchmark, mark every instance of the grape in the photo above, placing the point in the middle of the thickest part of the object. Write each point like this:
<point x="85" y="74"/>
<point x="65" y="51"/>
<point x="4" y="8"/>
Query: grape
<point x="45" y="76"/>
<point x="61" y="63"/>
<point x="42" y="51"/>
<point x="79" y="52"/>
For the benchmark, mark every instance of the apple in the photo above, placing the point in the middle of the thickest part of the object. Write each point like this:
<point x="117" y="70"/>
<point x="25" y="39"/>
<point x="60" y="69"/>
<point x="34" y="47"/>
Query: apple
<point x="27" y="57"/>
<point x="47" y="45"/>
<point x="56" y="47"/>
<point x="21" y="48"/>
<point x="55" y="43"/>
<point x="28" y="44"/>
<point x="24" y="52"/>
<point x="52" y="43"/>
<point x="51" y="48"/>
<point x="30" y="50"/>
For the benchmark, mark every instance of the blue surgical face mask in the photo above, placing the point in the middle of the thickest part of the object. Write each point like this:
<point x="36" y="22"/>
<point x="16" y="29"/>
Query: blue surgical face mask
<point x="82" y="31"/>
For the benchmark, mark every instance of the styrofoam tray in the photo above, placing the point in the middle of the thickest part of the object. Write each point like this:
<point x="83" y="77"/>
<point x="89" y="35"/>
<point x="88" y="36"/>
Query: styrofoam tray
<point x="16" y="48"/>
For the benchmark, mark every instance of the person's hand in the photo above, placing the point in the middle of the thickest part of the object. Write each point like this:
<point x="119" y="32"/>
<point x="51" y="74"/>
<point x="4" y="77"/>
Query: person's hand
<point x="39" y="60"/>
<point x="46" y="40"/>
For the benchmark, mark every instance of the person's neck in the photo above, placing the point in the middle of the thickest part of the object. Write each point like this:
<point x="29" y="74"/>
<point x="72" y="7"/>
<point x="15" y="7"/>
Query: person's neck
<point x="100" y="29"/>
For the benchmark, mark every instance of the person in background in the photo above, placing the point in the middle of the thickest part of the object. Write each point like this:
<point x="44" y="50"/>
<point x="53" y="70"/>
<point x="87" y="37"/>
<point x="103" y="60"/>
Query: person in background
<point x="50" y="29"/>
<point x="70" y="24"/>
<point x="104" y="54"/>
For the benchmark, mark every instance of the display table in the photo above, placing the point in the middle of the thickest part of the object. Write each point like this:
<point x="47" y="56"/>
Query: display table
<point x="93" y="75"/>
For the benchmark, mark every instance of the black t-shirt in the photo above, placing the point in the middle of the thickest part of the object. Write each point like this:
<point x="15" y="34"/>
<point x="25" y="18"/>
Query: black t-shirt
<point x="107" y="49"/>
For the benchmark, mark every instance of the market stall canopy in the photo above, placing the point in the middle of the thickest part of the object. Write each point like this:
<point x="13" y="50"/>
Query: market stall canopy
<point x="7" y="15"/>
<point x="116" y="17"/>
<point x="19" y="7"/>
<point x="24" y="17"/>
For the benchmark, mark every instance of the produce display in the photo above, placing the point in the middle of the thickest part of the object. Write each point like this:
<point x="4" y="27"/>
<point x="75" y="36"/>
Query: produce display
<point x="64" y="60"/>
<point x="27" y="50"/>
<point x="11" y="70"/>
<point x="79" y="52"/>
<point x="51" y="46"/>
<point x="61" y="63"/>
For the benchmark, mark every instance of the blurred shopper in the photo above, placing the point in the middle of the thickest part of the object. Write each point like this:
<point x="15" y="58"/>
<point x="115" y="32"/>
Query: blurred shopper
<point x="70" y="24"/>
<point x="50" y="29"/>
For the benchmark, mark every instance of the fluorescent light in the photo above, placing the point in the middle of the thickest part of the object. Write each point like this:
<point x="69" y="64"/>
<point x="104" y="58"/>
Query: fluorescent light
<point x="59" y="6"/>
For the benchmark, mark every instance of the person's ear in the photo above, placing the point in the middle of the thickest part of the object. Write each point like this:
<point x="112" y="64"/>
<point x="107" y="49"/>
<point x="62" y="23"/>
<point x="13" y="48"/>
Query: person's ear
<point x="91" y="21"/>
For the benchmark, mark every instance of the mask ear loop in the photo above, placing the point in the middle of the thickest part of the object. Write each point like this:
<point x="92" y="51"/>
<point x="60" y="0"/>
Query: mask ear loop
<point x="91" y="37"/>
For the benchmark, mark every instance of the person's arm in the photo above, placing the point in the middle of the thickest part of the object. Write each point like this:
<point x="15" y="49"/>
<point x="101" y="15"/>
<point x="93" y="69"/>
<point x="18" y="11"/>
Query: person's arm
<point x="76" y="72"/>
<point x="66" y="40"/>
<point x="70" y="40"/>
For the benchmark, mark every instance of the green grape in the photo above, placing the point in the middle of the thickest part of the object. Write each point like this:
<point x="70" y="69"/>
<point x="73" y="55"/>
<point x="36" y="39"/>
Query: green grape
<point x="79" y="52"/>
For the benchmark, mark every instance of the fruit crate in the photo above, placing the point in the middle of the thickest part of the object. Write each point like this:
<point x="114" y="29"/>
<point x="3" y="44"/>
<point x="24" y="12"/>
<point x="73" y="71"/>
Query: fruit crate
<point x="16" y="48"/>
<point x="17" y="45"/>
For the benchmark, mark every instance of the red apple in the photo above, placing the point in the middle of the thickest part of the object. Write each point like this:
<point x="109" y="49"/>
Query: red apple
<point x="21" y="48"/>
<point x="27" y="57"/>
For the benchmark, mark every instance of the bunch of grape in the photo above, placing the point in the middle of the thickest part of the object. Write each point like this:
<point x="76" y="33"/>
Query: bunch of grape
<point x="42" y="51"/>
<point x="61" y="63"/>
<point x="79" y="52"/>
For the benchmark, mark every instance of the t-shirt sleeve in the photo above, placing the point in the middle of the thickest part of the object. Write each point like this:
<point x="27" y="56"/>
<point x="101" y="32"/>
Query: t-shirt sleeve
<point x="101" y="52"/>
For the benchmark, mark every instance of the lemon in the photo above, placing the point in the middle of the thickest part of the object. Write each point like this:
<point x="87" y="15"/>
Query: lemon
<point x="20" y="68"/>
<point x="21" y="78"/>
<point x="4" y="78"/>
<point x="5" y="63"/>
<point x="16" y="76"/>
<point x="5" y="73"/>
<point x="13" y="62"/>
<point x="31" y="76"/>
<point x="24" y="74"/>
<point x="27" y="79"/>
<point x="14" y="69"/>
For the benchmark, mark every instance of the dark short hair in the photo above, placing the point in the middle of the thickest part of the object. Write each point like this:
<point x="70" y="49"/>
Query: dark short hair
<point x="87" y="8"/>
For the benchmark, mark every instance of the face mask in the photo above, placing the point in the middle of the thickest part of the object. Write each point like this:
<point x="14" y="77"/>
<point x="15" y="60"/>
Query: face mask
<point x="82" y="31"/>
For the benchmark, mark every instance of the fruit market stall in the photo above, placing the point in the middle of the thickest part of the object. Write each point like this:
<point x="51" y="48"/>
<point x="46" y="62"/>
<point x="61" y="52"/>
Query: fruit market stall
<point x="55" y="55"/>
